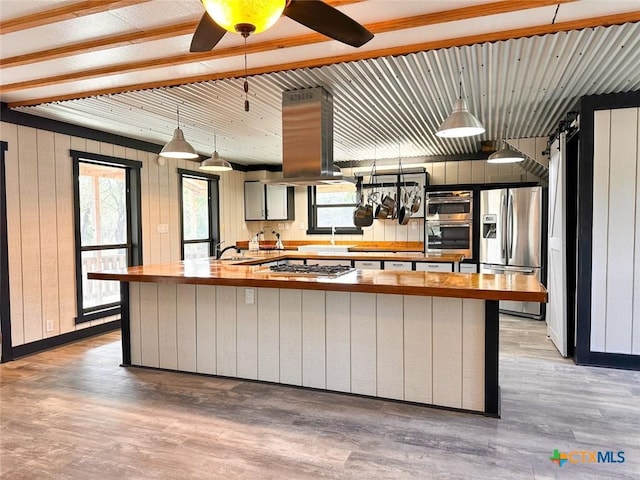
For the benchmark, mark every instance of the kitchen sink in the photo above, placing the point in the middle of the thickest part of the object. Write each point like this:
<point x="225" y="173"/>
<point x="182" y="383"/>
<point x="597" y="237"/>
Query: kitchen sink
<point x="321" y="248"/>
<point x="236" y="258"/>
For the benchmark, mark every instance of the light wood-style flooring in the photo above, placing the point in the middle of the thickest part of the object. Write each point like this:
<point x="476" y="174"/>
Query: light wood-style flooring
<point x="73" y="413"/>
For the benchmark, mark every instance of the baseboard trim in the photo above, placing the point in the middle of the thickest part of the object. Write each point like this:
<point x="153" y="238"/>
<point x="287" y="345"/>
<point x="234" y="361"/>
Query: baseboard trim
<point x="611" y="360"/>
<point x="48" y="343"/>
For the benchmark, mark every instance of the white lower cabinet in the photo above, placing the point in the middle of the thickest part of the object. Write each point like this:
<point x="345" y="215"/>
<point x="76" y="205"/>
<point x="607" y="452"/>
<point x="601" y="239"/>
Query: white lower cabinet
<point x="468" y="268"/>
<point x="313" y="261"/>
<point x="399" y="266"/>
<point x="367" y="264"/>
<point x="434" y="267"/>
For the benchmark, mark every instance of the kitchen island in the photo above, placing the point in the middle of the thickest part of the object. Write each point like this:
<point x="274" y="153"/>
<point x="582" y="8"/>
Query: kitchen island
<point x="429" y="338"/>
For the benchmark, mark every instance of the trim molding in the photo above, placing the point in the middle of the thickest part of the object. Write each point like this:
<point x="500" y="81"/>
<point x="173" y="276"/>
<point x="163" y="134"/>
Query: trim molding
<point x="5" y="299"/>
<point x="491" y="358"/>
<point x="48" y="343"/>
<point x="587" y="107"/>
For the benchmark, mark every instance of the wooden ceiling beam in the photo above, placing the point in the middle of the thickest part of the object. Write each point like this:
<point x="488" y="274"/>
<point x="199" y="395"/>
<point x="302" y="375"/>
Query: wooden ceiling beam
<point x="593" y="22"/>
<point x="66" y="12"/>
<point x="186" y="28"/>
<point x="114" y="41"/>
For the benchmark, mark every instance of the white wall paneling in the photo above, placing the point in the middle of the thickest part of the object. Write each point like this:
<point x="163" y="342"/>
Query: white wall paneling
<point x="290" y="337"/>
<point x="363" y="343"/>
<point x="447" y="351"/>
<point x="473" y="333"/>
<point x="134" y="323"/>
<point x="247" y="328"/>
<point x="226" y="350"/>
<point x="601" y="146"/>
<point x="206" y="329"/>
<point x="313" y="339"/>
<point x="419" y="349"/>
<point x="338" y="337"/>
<point x="614" y="320"/>
<point x="167" y="331"/>
<point x="268" y="334"/>
<point x="389" y="346"/>
<point x="186" y="328"/>
<point x="149" y="340"/>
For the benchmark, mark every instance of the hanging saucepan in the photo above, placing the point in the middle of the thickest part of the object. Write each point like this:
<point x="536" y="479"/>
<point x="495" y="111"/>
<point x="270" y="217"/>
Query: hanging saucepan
<point x="417" y="200"/>
<point x="394" y="212"/>
<point x="404" y="213"/>
<point x="363" y="215"/>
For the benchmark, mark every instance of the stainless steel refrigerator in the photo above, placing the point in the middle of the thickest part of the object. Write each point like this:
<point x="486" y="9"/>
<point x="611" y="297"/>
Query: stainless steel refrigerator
<point x="510" y="238"/>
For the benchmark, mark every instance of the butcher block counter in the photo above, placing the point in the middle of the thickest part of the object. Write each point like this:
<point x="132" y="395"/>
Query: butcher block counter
<point x="423" y="337"/>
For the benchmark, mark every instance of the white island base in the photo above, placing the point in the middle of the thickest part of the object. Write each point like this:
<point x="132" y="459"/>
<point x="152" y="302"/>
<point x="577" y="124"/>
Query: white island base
<point x="430" y="350"/>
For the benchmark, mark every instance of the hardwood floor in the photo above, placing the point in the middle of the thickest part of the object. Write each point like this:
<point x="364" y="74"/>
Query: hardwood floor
<point x="73" y="413"/>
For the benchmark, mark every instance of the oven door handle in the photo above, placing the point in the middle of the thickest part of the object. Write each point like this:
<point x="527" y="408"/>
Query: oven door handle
<point x="434" y="224"/>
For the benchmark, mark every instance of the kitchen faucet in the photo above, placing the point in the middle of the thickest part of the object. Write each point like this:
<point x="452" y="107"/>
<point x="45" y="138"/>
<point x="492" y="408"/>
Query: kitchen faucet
<point x="218" y="252"/>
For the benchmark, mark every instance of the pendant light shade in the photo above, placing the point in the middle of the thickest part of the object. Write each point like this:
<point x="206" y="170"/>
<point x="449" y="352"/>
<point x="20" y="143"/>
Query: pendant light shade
<point x="178" y="147"/>
<point x="215" y="163"/>
<point x="461" y="122"/>
<point x="505" y="155"/>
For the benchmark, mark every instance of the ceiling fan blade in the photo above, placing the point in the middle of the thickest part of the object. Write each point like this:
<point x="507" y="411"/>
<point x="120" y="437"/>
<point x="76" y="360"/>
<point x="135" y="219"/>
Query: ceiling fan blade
<point x="207" y="35"/>
<point x="329" y="21"/>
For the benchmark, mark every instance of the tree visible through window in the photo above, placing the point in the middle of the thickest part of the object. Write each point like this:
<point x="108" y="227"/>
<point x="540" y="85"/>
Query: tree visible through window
<point x="108" y="235"/>
<point x="332" y="206"/>
<point x="199" y="214"/>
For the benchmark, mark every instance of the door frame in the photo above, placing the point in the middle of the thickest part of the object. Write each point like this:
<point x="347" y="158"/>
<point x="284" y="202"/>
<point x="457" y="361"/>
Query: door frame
<point x="5" y="300"/>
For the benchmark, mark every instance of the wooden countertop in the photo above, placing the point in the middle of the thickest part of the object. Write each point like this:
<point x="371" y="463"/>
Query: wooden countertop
<point x="460" y="285"/>
<point x="261" y="256"/>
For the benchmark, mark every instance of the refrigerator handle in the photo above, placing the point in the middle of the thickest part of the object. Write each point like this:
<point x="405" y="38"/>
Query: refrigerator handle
<point x="510" y="226"/>
<point x="503" y="243"/>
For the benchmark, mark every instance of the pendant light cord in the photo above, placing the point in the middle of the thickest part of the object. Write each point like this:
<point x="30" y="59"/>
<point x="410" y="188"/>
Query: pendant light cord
<point x="178" y="113"/>
<point x="246" y="81"/>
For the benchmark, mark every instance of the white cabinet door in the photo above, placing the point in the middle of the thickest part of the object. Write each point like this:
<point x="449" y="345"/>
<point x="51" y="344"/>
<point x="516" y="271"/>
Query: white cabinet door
<point x="434" y="267"/>
<point x="468" y="268"/>
<point x="254" y="201"/>
<point x="403" y="266"/>
<point x="367" y="264"/>
<point x="277" y="202"/>
<point x="313" y="261"/>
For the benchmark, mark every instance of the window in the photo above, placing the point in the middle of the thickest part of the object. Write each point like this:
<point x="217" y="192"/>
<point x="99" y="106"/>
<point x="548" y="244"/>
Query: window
<point x="108" y="232"/>
<point x="199" y="207"/>
<point x="332" y="206"/>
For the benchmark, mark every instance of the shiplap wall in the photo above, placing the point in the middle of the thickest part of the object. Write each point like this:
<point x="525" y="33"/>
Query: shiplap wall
<point x="41" y="231"/>
<point x="440" y="173"/>
<point x="419" y="349"/>
<point x="615" y="288"/>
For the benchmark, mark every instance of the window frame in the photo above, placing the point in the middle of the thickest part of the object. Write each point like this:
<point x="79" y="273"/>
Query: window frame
<point x="213" y="193"/>
<point x="312" y="214"/>
<point x="134" y="227"/>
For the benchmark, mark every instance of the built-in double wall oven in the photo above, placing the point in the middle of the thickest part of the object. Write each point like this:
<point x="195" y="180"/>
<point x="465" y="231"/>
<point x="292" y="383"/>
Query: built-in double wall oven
<point x="449" y="222"/>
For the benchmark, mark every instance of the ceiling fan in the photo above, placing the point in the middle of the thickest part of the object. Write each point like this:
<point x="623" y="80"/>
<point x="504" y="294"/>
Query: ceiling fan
<point x="254" y="16"/>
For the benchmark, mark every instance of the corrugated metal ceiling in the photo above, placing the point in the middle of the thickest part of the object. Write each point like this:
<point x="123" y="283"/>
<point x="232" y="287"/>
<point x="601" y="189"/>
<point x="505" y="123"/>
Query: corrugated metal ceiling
<point x="388" y="106"/>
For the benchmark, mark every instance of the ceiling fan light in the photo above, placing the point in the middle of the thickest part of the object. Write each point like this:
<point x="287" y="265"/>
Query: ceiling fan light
<point x="461" y="123"/>
<point x="260" y="14"/>
<point x="215" y="164"/>
<point x="178" y="147"/>
<point x="506" y="155"/>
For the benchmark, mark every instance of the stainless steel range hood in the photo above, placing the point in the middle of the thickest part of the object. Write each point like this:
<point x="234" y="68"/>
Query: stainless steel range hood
<point x="307" y="139"/>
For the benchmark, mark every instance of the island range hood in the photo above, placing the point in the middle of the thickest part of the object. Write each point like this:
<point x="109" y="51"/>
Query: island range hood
<point x="307" y="139"/>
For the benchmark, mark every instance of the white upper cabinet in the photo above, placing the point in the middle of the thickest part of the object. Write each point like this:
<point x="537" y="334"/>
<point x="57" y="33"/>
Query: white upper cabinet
<point x="254" y="201"/>
<point x="268" y="202"/>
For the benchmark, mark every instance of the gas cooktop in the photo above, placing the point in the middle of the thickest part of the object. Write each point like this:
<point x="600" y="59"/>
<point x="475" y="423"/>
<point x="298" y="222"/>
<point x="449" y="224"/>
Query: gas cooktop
<point x="314" y="270"/>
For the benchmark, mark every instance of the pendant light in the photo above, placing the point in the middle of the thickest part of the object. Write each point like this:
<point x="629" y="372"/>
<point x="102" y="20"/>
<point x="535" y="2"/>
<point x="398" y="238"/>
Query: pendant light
<point x="505" y="155"/>
<point x="178" y="147"/>
<point x="215" y="163"/>
<point x="461" y="123"/>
